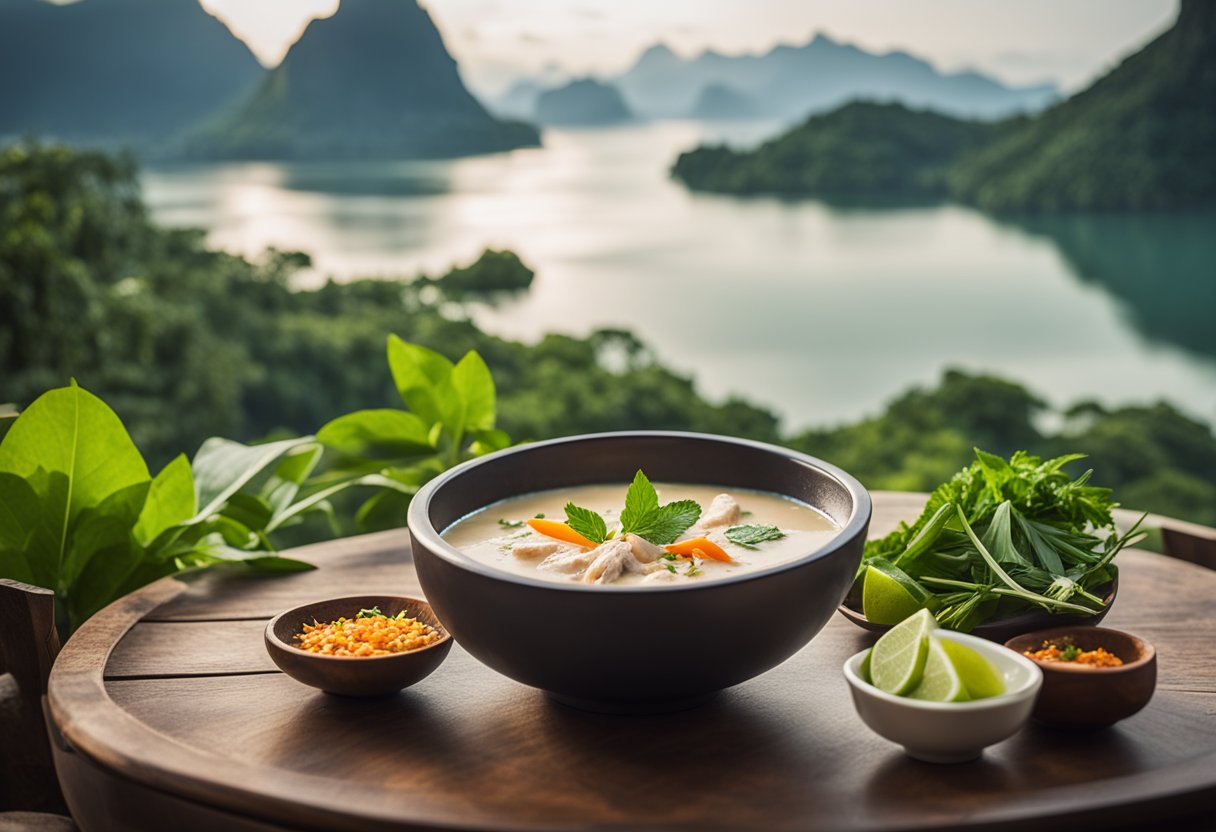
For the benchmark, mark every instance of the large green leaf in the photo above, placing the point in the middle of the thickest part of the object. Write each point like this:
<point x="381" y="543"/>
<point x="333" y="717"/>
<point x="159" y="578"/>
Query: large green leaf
<point x="222" y="466"/>
<point x="315" y="500"/>
<point x="20" y="516"/>
<point x="488" y="441"/>
<point x="378" y="434"/>
<point x="383" y="510"/>
<point x="72" y="432"/>
<point x="102" y="528"/>
<point x="288" y="477"/>
<point x="475" y="385"/>
<point x="171" y="500"/>
<point x="423" y="378"/>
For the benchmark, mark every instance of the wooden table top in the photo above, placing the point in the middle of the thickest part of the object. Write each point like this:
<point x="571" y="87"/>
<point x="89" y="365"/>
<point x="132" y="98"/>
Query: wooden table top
<point x="171" y="689"/>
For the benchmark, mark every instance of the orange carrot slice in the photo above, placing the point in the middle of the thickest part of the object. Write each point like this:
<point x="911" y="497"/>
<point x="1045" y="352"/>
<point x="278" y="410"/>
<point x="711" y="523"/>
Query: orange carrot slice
<point x="701" y="547"/>
<point x="559" y="531"/>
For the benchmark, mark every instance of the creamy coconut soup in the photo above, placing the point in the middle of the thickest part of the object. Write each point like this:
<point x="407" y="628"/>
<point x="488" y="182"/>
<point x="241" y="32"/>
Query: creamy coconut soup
<point x="641" y="535"/>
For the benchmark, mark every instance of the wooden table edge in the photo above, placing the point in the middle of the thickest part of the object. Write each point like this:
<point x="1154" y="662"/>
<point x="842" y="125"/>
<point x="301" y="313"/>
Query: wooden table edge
<point x="97" y="727"/>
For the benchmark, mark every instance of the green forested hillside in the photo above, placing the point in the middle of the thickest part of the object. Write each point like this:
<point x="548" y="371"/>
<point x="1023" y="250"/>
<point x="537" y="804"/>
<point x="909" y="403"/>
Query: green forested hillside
<point x="862" y="149"/>
<point x="1142" y="138"/>
<point x="185" y="343"/>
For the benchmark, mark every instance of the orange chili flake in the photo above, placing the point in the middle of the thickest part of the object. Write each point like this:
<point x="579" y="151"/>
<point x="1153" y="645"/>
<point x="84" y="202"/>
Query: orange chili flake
<point x="1067" y="652"/>
<point x="366" y="635"/>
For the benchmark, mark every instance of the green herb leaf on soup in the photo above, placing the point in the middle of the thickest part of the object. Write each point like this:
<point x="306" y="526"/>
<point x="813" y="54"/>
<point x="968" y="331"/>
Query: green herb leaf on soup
<point x="661" y="525"/>
<point x="586" y="522"/>
<point x="666" y="524"/>
<point x="751" y="535"/>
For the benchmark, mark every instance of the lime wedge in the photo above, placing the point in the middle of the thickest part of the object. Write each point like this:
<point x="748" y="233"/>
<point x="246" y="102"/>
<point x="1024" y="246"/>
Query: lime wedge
<point x="889" y="595"/>
<point x="898" y="658"/>
<point x="940" y="682"/>
<point x="979" y="676"/>
<point x="864" y="670"/>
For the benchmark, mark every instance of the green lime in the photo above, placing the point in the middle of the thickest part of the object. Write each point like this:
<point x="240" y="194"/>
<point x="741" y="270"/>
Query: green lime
<point x="940" y="682"/>
<point x="889" y="595"/>
<point x="898" y="658"/>
<point x="864" y="670"/>
<point x="979" y="676"/>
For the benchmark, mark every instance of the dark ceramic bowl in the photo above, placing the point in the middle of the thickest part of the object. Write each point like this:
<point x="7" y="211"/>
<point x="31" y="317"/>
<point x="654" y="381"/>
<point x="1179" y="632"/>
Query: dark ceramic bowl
<point x="354" y="675"/>
<point x="998" y="630"/>
<point x="1084" y="698"/>
<point x="636" y="649"/>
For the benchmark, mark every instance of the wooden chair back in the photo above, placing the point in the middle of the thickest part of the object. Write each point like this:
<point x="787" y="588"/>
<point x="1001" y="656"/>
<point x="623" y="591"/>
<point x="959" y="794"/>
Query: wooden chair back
<point x="29" y="644"/>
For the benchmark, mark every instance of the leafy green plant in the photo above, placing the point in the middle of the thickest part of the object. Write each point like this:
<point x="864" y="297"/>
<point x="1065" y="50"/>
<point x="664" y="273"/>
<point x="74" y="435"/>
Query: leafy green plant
<point x="81" y="514"/>
<point x="450" y="416"/>
<point x="1001" y="537"/>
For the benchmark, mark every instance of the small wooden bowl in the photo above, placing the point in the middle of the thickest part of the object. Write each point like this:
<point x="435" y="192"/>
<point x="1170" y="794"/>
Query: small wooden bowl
<point x="1000" y="629"/>
<point x="1084" y="698"/>
<point x="355" y="675"/>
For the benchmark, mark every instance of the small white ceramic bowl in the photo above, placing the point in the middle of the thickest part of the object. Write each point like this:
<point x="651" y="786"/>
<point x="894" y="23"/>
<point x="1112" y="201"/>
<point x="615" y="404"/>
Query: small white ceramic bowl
<point x="950" y="732"/>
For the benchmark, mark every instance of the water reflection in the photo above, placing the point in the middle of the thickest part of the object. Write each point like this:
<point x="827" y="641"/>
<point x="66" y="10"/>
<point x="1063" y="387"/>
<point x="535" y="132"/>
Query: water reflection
<point x="1163" y="268"/>
<point x="819" y="311"/>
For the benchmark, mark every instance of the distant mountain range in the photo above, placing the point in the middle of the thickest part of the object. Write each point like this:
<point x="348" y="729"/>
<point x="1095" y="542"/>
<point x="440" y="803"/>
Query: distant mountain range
<point x="791" y="82"/>
<point x="583" y="102"/>
<point x="115" y="71"/>
<point x="373" y="81"/>
<point x="1142" y="138"/>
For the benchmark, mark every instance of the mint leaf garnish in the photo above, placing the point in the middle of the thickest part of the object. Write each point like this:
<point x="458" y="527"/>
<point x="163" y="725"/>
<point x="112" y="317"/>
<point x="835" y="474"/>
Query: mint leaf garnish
<point x="644" y="517"/>
<point x="586" y="522"/>
<point x="641" y="500"/>
<point x="665" y="525"/>
<point x="752" y="534"/>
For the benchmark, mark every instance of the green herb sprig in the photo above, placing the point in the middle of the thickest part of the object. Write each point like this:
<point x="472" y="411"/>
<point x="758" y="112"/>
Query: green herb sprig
<point x="374" y="612"/>
<point x="642" y="515"/>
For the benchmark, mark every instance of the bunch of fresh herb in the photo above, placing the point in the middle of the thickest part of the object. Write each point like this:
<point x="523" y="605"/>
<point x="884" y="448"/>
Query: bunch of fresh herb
<point x="642" y="515"/>
<point x="1002" y="537"/>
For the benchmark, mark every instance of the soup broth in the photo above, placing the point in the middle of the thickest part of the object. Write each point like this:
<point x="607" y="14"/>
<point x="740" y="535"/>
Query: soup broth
<point x="780" y="530"/>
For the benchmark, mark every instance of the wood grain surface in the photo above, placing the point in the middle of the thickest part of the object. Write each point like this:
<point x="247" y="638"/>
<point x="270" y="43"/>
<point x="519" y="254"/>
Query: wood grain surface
<point x="171" y="689"/>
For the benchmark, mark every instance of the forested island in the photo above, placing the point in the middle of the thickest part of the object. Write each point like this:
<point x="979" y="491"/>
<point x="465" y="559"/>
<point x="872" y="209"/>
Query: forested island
<point x="185" y="342"/>
<point x="1139" y="139"/>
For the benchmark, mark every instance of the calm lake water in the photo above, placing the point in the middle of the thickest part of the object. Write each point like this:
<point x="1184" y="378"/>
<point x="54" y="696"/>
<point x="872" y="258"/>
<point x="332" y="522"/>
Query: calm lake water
<point x="820" y="312"/>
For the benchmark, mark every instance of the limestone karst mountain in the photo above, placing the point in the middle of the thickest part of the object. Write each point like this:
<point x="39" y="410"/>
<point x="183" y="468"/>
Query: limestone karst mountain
<point x="373" y="81"/>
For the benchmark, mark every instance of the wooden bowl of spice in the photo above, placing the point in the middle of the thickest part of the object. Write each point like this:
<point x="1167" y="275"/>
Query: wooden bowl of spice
<point x="365" y="645"/>
<point x="1092" y="676"/>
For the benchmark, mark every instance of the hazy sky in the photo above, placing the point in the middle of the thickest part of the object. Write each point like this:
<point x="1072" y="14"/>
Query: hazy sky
<point x="1069" y="41"/>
